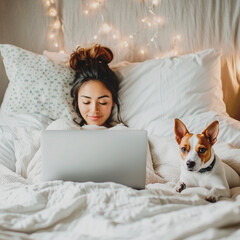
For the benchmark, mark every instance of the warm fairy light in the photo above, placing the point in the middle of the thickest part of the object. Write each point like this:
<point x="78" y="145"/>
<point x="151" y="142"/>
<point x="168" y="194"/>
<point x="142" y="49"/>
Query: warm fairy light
<point x="47" y="3"/>
<point x="151" y="21"/>
<point x="125" y="44"/>
<point x="51" y="35"/>
<point x="149" y="24"/>
<point x="178" y="37"/>
<point x="52" y="12"/>
<point x="106" y="28"/>
<point x="95" y="4"/>
<point x="155" y="2"/>
<point x="115" y="36"/>
<point x="57" y="24"/>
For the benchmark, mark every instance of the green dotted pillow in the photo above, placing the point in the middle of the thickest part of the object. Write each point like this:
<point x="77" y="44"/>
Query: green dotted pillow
<point x="36" y="84"/>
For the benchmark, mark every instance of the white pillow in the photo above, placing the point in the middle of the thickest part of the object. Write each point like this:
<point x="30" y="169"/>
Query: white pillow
<point x="36" y="84"/>
<point x="157" y="90"/>
<point x="165" y="157"/>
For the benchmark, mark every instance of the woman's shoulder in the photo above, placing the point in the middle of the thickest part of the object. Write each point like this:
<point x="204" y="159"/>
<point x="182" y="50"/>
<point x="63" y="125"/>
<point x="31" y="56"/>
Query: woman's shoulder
<point x="62" y="124"/>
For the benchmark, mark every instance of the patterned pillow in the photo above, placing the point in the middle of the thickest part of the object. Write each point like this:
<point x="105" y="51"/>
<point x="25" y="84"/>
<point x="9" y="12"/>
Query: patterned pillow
<point x="36" y="84"/>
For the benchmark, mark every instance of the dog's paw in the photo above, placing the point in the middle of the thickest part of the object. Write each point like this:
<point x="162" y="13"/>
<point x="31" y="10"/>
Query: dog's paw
<point x="211" y="199"/>
<point x="180" y="187"/>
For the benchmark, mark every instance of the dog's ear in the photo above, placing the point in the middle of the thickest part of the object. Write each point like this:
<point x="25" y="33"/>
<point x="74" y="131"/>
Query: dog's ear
<point x="211" y="132"/>
<point x="180" y="130"/>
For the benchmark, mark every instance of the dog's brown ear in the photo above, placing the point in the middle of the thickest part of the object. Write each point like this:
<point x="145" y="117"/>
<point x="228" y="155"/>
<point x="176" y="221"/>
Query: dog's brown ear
<point x="211" y="132"/>
<point x="180" y="130"/>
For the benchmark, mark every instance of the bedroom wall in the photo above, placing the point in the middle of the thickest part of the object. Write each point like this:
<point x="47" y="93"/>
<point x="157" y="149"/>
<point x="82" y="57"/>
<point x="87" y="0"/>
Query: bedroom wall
<point x="130" y="26"/>
<point x="22" y="23"/>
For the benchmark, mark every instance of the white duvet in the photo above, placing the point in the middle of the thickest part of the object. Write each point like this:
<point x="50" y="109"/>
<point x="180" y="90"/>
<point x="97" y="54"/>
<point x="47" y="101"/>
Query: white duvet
<point x="30" y="209"/>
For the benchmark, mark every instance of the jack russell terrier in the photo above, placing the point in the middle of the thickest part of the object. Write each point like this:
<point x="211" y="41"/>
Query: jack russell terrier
<point x="201" y="167"/>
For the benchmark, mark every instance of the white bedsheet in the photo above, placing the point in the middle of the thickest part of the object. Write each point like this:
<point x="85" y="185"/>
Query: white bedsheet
<point x="67" y="210"/>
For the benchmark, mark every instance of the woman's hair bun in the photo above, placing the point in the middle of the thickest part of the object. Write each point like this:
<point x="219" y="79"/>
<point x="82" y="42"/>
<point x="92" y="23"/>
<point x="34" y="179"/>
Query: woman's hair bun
<point x="87" y="55"/>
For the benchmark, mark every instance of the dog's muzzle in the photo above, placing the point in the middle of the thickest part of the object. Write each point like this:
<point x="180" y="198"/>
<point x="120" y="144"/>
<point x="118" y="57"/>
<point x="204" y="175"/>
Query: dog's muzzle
<point x="190" y="165"/>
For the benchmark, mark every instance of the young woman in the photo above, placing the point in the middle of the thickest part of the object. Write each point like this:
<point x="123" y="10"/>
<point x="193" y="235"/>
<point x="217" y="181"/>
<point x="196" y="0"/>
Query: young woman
<point x="95" y="94"/>
<point x="95" y="87"/>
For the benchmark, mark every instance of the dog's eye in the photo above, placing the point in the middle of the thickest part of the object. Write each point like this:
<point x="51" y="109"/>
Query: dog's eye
<point x="202" y="150"/>
<point x="183" y="149"/>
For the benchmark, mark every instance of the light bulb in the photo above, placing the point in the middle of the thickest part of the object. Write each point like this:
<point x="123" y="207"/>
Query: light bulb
<point x="95" y="37"/>
<point x="52" y="12"/>
<point x="106" y="28"/>
<point x="95" y="4"/>
<point x="178" y="37"/>
<point x="57" y="24"/>
<point x="47" y="3"/>
<point x="115" y="36"/>
<point x="51" y="35"/>
<point x="142" y="51"/>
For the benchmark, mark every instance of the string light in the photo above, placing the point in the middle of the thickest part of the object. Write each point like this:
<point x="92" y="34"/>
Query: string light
<point x="95" y="5"/>
<point x="125" y="43"/>
<point x="47" y="3"/>
<point x="52" y="35"/>
<point x="55" y="24"/>
<point x="106" y="28"/>
<point x="52" y="12"/>
<point x="151" y="21"/>
<point x="115" y="36"/>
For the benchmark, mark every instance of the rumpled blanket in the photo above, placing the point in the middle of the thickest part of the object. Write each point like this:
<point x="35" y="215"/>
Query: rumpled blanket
<point x="31" y="209"/>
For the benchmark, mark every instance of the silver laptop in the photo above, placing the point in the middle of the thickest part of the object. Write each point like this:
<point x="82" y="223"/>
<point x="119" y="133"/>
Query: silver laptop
<point x="95" y="155"/>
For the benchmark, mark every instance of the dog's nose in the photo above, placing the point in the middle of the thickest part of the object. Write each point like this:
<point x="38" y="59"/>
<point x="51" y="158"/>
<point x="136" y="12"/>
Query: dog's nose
<point x="190" y="164"/>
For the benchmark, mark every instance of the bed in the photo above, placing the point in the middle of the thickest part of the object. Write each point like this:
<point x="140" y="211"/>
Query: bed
<point x="165" y="72"/>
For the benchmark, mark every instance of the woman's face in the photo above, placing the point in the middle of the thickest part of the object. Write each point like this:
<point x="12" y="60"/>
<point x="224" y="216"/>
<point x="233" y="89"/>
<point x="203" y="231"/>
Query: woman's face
<point x="95" y="102"/>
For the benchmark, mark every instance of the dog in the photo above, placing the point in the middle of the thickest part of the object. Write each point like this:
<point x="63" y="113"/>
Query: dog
<point x="201" y="167"/>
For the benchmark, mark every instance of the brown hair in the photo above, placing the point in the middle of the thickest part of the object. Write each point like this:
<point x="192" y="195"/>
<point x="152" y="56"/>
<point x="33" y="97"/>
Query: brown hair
<point x="92" y="64"/>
